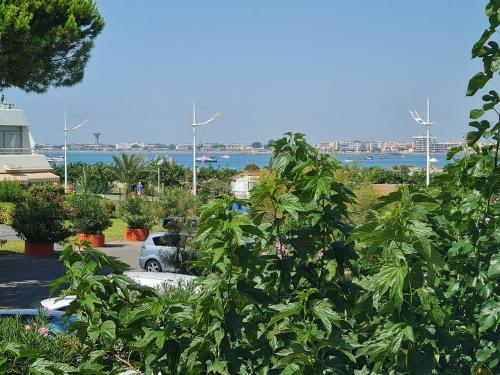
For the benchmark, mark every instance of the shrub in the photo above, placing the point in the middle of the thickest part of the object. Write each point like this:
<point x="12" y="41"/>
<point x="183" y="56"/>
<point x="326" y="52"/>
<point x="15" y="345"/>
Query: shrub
<point x="175" y="201"/>
<point x="40" y="216"/>
<point x="108" y="206"/>
<point x="10" y="191"/>
<point x="88" y="214"/>
<point x="23" y="348"/>
<point x="136" y="212"/>
<point x="6" y="212"/>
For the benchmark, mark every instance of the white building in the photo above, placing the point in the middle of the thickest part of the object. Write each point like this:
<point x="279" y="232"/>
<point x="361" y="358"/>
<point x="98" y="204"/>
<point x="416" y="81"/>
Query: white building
<point x="419" y="144"/>
<point x="18" y="161"/>
<point x="243" y="182"/>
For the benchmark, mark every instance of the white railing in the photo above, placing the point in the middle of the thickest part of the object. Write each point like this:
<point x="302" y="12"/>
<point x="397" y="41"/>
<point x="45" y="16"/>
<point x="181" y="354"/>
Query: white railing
<point x="15" y="151"/>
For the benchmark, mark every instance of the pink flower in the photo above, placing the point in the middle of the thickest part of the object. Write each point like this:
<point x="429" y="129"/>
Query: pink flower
<point x="43" y="331"/>
<point x="281" y="250"/>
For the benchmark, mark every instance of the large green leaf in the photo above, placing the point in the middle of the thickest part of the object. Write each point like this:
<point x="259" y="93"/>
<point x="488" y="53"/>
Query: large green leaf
<point x="323" y="310"/>
<point x="477" y="82"/>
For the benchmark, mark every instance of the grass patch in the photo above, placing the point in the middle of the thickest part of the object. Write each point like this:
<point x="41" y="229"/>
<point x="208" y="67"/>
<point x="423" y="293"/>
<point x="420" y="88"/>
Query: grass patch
<point x="115" y="232"/>
<point x="12" y="247"/>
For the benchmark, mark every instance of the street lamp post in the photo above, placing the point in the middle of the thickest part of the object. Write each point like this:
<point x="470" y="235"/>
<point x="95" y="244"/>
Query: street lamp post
<point x="195" y="125"/>
<point x="66" y="130"/>
<point x="427" y="124"/>
<point x="159" y="163"/>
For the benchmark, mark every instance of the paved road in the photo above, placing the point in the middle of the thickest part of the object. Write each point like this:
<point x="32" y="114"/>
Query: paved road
<point x="24" y="280"/>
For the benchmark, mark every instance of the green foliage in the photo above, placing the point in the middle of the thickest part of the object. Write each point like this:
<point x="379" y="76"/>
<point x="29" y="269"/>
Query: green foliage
<point x="40" y="216"/>
<point x="175" y="201"/>
<point x="396" y="175"/>
<point x="109" y="207"/>
<point x="23" y="350"/>
<point x="251" y="167"/>
<point x="91" y="181"/>
<point x="88" y="214"/>
<point x="96" y="178"/>
<point x="435" y="270"/>
<point x="128" y="169"/>
<point x="46" y="43"/>
<point x="136" y="212"/>
<point x="10" y="191"/>
<point x="7" y="212"/>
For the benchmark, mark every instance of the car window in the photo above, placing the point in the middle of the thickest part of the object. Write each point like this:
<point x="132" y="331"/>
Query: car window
<point x="169" y="239"/>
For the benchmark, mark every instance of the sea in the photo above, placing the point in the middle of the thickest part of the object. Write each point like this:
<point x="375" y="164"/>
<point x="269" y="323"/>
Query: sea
<point x="240" y="160"/>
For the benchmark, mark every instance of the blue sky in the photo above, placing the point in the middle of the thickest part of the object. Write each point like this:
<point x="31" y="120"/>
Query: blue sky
<point x="332" y="69"/>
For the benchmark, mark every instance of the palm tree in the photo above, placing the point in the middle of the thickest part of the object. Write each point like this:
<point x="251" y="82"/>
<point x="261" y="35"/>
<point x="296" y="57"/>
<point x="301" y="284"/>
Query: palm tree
<point x="128" y="169"/>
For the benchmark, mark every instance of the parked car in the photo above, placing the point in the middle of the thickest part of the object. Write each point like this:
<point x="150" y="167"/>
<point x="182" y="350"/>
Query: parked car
<point x="154" y="280"/>
<point x="56" y="321"/>
<point x="57" y="303"/>
<point x="160" y="250"/>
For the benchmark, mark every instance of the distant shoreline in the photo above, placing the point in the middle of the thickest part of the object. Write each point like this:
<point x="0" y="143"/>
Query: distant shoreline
<point x="232" y="152"/>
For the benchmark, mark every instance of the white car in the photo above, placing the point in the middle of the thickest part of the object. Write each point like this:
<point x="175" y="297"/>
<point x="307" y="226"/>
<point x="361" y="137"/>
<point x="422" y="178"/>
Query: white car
<point x="151" y="279"/>
<point x="57" y="303"/>
<point x="157" y="279"/>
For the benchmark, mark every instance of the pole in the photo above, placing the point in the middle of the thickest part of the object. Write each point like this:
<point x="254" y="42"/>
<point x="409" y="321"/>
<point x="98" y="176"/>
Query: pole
<point x="65" y="155"/>
<point x="427" y="174"/>
<point x="158" y="179"/>
<point x="194" y="148"/>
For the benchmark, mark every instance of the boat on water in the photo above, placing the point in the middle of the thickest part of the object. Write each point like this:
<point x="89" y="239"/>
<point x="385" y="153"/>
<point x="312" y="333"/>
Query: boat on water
<point x="348" y="160"/>
<point x="206" y="159"/>
<point x="384" y="157"/>
<point x="55" y="159"/>
<point x="226" y="156"/>
<point x="369" y="157"/>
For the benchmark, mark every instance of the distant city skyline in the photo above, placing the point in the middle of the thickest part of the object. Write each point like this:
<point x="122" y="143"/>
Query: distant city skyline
<point x="332" y="70"/>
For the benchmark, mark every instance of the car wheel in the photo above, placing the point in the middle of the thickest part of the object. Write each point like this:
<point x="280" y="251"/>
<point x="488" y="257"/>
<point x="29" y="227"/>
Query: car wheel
<point x="153" y="266"/>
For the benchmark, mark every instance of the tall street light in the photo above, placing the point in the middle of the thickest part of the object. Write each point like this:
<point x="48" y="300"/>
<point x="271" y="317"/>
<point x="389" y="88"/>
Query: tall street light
<point x="427" y="124"/>
<point x="195" y="125"/>
<point x="159" y="163"/>
<point x="66" y="130"/>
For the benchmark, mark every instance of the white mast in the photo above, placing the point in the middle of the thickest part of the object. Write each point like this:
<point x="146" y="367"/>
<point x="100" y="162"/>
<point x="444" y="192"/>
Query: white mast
<point x="66" y="130"/>
<point x="427" y="124"/>
<point x="194" y="125"/>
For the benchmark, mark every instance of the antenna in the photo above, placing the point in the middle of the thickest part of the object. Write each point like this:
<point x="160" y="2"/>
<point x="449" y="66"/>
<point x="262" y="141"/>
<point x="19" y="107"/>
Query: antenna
<point x="195" y="125"/>
<point x="415" y="115"/>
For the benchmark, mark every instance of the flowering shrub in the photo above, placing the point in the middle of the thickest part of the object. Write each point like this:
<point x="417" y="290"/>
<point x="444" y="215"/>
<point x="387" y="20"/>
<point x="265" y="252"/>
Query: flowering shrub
<point x="88" y="214"/>
<point x="26" y="347"/>
<point x="40" y="216"/>
<point x="136" y="212"/>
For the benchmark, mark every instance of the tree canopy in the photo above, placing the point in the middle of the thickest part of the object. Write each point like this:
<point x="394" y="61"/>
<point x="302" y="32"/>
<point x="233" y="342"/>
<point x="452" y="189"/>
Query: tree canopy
<point x="46" y="43"/>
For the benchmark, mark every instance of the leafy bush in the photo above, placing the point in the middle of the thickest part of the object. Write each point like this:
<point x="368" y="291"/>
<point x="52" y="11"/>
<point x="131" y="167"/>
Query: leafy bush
<point x="136" y="212"/>
<point x="88" y="214"/>
<point x="7" y="212"/>
<point x="175" y="201"/>
<point x="10" y="191"/>
<point x="24" y="349"/>
<point x="396" y="175"/>
<point x="108" y="206"/>
<point x="40" y="216"/>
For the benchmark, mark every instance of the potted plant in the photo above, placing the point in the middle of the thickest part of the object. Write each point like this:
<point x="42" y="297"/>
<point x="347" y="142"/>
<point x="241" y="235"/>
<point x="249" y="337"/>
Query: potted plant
<point x="136" y="212"/>
<point x="89" y="218"/>
<point x="39" y="219"/>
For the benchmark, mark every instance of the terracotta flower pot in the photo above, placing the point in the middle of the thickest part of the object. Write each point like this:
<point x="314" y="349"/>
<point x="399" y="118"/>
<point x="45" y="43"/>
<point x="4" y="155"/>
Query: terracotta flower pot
<point x="96" y="240"/>
<point x="130" y="234"/>
<point x="38" y="249"/>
